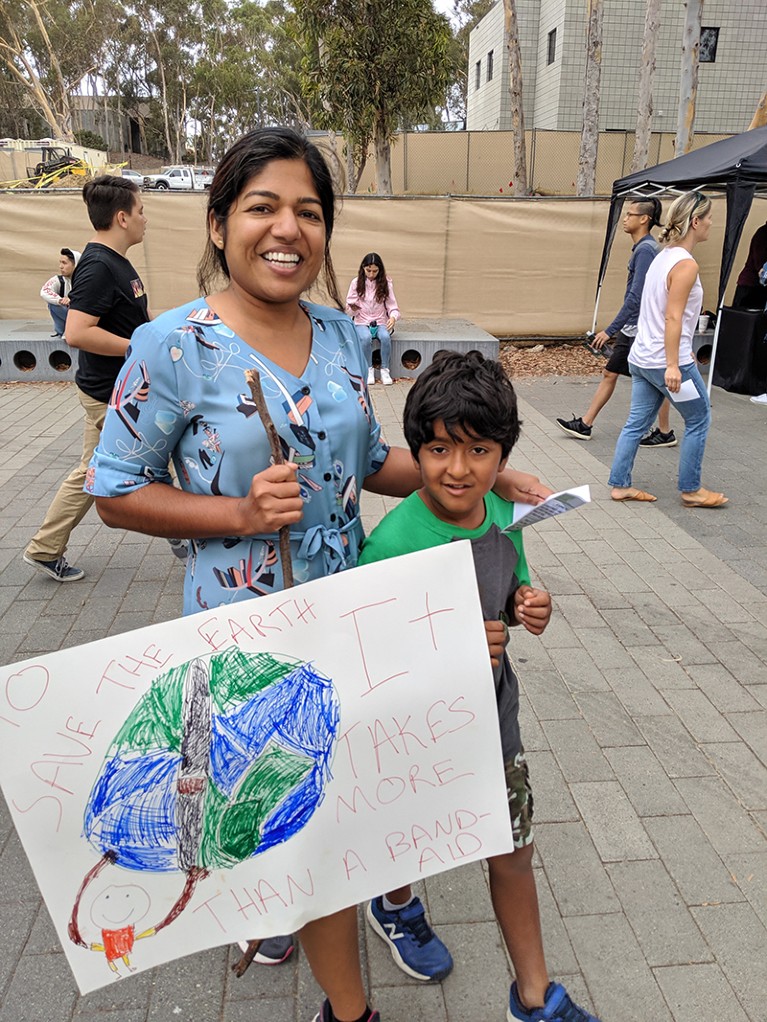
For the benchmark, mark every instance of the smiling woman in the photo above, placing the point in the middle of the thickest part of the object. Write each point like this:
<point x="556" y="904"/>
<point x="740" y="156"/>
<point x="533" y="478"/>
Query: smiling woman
<point x="182" y="395"/>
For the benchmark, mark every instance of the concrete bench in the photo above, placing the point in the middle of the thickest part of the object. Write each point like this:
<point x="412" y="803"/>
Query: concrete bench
<point x="29" y="354"/>
<point x="415" y="342"/>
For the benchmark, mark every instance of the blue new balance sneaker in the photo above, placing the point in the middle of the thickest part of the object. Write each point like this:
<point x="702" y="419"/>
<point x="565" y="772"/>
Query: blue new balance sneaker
<point x="558" y="1008"/>
<point x="415" y="947"/>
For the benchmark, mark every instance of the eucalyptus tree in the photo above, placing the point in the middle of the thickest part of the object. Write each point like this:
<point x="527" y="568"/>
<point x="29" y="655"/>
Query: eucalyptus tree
<point x="646" y="81"/>
<point x="46" y="48"/>
<point x="587" y="155"/>
<point x="511" y="31"/>
<point x="371" y="67"/>
<point x="688" y="79"/>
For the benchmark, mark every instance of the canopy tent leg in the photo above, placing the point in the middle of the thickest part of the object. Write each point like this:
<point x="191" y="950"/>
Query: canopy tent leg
<point x="596" y="308"/>
<point x="713" y="349"/>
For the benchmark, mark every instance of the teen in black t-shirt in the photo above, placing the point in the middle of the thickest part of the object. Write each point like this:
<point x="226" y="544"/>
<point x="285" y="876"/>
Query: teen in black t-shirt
<point x="106" y="285"/>
<point x="106" y="304"/>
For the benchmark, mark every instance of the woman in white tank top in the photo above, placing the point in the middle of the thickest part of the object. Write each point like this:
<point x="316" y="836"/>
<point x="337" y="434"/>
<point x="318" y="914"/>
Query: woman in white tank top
<point x="661" y="360"/>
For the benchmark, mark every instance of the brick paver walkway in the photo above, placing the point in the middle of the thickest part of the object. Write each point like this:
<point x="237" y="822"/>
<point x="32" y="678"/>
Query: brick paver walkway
<point x="644" y="714"/>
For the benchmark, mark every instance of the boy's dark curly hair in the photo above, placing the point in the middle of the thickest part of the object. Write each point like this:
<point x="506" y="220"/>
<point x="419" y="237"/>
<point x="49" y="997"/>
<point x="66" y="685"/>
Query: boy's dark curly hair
<point x="467" y="392"/>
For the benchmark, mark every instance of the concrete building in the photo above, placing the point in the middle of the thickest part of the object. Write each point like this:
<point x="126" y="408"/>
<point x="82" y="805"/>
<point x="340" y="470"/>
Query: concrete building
<point x="553" y="45"/>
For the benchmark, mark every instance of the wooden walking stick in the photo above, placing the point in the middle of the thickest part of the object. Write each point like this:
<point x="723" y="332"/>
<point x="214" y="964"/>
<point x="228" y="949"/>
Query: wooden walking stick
<point x="254" y="382"/>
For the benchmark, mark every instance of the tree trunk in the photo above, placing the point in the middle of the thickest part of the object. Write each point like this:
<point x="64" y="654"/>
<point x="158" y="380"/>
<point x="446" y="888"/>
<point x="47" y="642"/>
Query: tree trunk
<point x="61" y="93"/>
<point x="759" y="120"/>
<point x="515" y="92"/>
<point x="587" y="157"/>
<point x="688" y="79"/>
<point x="383" y="161"/>
<point x="646" y="79"/>
<point x="58" y="115"/>
<point x="164" y="91"/>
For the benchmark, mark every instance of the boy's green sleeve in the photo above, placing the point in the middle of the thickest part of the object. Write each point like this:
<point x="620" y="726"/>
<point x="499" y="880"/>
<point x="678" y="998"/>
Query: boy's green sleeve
<point x="374" y="548"/>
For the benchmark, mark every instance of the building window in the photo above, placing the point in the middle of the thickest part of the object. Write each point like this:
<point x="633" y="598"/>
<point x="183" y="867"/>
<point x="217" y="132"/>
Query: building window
<point x="709" y="40"/>
<point x="490" y="66"/>
<point x="552" y="48"/>
<point x="478" y="74"/>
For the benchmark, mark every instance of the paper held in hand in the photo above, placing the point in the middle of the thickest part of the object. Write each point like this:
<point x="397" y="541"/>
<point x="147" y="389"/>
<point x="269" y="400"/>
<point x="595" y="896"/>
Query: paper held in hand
<point x="556" y="504"/>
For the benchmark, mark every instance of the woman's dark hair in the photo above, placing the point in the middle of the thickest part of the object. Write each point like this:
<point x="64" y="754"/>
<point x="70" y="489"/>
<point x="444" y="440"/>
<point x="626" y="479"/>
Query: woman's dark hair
<point x="243" y="161"/>
<point x="106" y="196"/>
<point x="467" y="392"/>
<point x="382" y="283"/>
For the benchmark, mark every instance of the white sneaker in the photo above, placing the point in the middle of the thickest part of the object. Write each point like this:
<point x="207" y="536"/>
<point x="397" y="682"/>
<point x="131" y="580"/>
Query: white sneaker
<point x="371" y="376"/>
<point x="386" y="379"/>
<point x="759" y="399"/>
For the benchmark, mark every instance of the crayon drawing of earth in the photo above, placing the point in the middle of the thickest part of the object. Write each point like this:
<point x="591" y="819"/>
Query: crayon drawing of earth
<point x="224" y="757"/>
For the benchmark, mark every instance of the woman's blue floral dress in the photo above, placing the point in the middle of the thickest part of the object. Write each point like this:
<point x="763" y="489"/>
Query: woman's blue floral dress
<point x="182" y="395"/>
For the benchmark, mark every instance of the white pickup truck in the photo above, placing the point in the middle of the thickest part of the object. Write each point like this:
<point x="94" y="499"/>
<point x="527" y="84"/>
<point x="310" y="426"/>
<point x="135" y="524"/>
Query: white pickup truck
<point x="180" y="179"/>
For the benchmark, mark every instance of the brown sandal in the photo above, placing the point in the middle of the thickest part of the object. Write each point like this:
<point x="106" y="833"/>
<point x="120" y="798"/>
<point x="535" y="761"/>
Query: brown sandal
<point x="705" y="498"/>
<point x="635" y="495"/>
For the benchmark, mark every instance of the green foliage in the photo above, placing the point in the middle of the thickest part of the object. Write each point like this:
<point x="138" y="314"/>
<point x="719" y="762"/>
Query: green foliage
<point x="373" y="67"/>
<point x="196" y="74"/>
<point x="90" y="139"/>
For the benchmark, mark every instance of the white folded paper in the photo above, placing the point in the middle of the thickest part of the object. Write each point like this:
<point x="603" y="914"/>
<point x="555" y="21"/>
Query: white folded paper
<point x="556" y="504"/>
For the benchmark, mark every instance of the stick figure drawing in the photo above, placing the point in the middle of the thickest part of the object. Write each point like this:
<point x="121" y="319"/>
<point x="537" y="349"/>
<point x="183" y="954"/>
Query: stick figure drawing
<point x="222" y="758"/>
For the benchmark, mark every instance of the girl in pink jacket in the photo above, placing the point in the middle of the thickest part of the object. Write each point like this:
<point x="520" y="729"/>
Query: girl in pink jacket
<point x="373" y="307"/>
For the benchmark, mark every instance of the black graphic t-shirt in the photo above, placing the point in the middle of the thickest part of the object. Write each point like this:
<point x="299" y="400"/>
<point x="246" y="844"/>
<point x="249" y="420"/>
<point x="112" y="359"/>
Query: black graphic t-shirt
<point x="106" y="285"/>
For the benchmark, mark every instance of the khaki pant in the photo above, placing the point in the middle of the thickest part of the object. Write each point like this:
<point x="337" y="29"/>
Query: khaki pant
<point x="71" y="503"/>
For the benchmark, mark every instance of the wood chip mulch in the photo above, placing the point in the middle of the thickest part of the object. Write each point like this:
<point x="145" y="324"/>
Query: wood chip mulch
<point x="549" y="360"/>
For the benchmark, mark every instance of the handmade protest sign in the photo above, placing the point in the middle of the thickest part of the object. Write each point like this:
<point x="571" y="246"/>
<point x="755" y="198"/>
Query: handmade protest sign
<point x="256" y="766"/>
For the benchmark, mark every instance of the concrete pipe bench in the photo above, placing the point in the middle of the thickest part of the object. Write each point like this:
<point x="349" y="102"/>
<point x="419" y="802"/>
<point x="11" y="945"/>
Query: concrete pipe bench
<point x="415" y="342"/>
<point x="28" y="354"/>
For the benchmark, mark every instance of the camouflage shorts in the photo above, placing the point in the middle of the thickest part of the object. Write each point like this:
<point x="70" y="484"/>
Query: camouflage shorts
<point x="520" y="799"/>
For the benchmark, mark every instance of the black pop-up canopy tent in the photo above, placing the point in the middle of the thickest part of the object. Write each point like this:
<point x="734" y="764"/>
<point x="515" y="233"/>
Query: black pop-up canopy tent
<point x="735" y="166"/>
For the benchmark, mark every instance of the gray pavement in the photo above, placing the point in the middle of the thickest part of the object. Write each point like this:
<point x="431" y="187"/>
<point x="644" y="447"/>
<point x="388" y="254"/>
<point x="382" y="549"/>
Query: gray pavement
<point x="644" y="714"/>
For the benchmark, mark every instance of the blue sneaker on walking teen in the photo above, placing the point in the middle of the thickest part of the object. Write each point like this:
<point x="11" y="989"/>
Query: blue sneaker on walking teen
<point x="415" y="947"/>
<point x="558" y="1008"/>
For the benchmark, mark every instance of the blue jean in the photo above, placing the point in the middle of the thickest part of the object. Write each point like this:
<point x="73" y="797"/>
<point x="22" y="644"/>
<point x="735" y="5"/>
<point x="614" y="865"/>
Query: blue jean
<point x="366" y="340"/>
<point x="647" y="393"/>
<point x="59" y="317"/>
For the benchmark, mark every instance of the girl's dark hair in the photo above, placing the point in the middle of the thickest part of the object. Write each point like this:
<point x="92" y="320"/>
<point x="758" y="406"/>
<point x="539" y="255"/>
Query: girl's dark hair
<point x="382" y="283"/>
<point x="243" y="161"/>
<point x="106" y="196"/>
<point x="467" y="392"/>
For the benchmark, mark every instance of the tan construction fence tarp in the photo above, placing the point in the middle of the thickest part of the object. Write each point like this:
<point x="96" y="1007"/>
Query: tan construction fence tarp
<point x="515" y="267"/>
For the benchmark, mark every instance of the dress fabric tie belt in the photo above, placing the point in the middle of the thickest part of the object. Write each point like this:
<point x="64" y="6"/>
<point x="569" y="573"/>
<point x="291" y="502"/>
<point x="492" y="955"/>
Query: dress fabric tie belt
<point x="319" y="539"/>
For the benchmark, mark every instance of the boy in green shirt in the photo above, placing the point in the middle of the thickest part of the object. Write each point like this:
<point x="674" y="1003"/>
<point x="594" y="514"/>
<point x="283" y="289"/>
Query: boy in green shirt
<point x="460" y="423"/>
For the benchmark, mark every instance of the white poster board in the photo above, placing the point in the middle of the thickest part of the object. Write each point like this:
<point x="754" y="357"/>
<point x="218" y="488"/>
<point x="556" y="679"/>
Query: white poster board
<point x="269" y="762"/>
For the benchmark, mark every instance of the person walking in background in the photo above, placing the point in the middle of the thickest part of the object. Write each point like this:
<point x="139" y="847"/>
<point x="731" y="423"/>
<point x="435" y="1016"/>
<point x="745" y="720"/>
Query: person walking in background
<point x="661" y="358"/>
<point x="55" y="291"/>
<point x="373" y="307"/>
<point x="638" y="222"/>
<point x="106" y="304"/>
